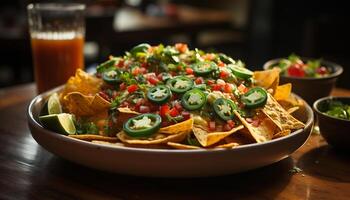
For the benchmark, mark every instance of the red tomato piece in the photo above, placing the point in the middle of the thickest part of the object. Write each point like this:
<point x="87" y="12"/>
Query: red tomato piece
<point x="199" y="80"/>
<point x="181" y="47"/>
<point x="210" y="82"/>
<point x="322" y="70"/>
<point x="211" y="126"/>
<point x="227" y="127"/>
<point x="153" y="80"/>
<point x="189" y="70"/>
<point x="132" y="88"/>
<point x="224" y="74"/>
<point x="174" y="112"/>
<point x="104" y="95"/>
<point x="135" y="71"/>
<point x="216" y="87"/>
<point x="120" y="63"/>
<point x="242" y="89"/>
<point x="221" y="64"/>
<point x="228" y="88"/>
<point x="231" y="123"/>
<point x="178" y="106"/>
<point x="296" y="70"/>
<point x="164" y="109"/>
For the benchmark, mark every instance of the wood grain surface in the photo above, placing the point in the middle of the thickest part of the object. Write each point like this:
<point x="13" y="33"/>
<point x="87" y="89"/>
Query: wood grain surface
<point x="27" y="171"/>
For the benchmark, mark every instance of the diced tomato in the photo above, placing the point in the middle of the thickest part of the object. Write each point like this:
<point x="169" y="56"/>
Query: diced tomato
<point x="227" y="127"/>
<point x="173" y="73"/>
<point x="221" y="64"/>
<point x="174" y="97"/>
<point x="179" y="68"/>
<point x="211" y="126"/>
<point x="322" y="70"/>
<point x="199" y="80"/>
<point x="189" y="70"/>
<point x="144" y="109"/>
<point x="178" y="106"/>
<point x="242" y="89"/>
<point x="104" y="95"/>
<point x="231" y="123"/>
<point x="174" y="112"/>
<point x="132" y="88"/>
<point x="210" y="82"/>
<point x="228" y="88"/>
<point x="144" y="64"/>
<point x="135" y="71"/>
<point x="208" y="56"/>
<point x="120" y="63"/>
<point x="224" y="74"/>
<point x="181" y="47"/>
<point x="164" y="109"/>
<point x="296" y="70"/>
<point x="160" y="77"/>
<point x="124" y="104"/>
<point x="186" y="115"/>
<point x="152" y="79"/>
<point x="216" y="87"/>
<point x="122" y="86"/>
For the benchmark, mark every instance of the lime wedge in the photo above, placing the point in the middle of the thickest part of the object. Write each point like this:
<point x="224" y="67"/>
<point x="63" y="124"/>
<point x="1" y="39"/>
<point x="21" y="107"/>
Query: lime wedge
<point x="52" y="105"/>
<point x="61" y="123"/>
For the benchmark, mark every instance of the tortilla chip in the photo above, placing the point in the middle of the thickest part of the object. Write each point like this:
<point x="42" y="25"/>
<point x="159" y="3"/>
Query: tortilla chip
<point x="119" y="144"/>
<point x="182" y="146"/>
<point x="268" y="79"/>
<point x="157" y="138"/>
<point x="240" y="138"/>
<point x="128" y="110"/>
<point x="207" y="139"/>
<point x="280" y="116"/>
<point x="262" y="133"/>
<point x="282" y="133"/>
<point x="185" y="126"/>
<point x="228" y="145"/>
<point x="82" y="82"/>
<point x="84" y="105"/>
<point x="283" y="92"/>
<point x="293" y="109"/>
<point x="90" y="137"/>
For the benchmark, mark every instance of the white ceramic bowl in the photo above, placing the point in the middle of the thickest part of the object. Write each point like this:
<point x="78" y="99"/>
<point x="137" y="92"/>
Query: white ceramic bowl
<point x="166" y="162"/>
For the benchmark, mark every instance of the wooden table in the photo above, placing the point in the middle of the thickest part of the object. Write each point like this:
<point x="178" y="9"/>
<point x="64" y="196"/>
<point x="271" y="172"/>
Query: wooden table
<point x="27" y="171"/>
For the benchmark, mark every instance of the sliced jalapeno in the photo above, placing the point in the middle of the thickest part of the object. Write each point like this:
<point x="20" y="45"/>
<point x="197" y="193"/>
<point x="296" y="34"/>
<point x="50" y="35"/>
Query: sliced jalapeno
<point x="142" y="125"/>
<point x="159" y="94"/>
<point x="180" y="84"/>
<point x="141" y="48"/>
<point x="193" y="99"/>
<point x="105" y="66"/>
<point x="226" y="59"/>
<point x="241" y="72"/>
<point x="224" y="108"/>
<point x="201" y="86"/>
<point x="111" y="77"/>
<point x="203" y="68"/>
<point x="254" y="98"/>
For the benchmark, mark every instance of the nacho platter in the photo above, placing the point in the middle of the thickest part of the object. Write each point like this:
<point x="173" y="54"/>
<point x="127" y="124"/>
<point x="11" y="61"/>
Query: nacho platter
<point x="174" y="99"/>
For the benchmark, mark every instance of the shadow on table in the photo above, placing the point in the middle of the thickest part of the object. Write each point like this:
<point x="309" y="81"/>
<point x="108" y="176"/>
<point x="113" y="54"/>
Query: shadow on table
<point x="65" y="180"/>
<point x="327" y="163"/>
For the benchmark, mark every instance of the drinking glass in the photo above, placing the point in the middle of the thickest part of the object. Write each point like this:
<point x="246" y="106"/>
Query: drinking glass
<point x="57" y="38"/>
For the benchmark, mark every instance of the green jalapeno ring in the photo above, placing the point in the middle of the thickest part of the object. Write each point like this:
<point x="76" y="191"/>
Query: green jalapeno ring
<point x="111" y="77"/>
<point x="172" y="83"/>
<point x="159" y="94"/>
<point x="221" y="104"/>
<point x="193" y="95"/>
<point x="141" y="48"/>
<point x="203" y="68"/>
<point x="241" y="72"/>
<point x="254" y="98"/>
<point x="143" y="131"/>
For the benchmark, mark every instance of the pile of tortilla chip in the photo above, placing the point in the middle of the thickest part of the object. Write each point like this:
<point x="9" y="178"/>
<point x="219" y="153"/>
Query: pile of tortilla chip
<point x="81" y="98"/>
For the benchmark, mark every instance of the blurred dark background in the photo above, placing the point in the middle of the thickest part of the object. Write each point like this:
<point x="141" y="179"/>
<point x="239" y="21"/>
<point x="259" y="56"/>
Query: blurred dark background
<point x="251" y="30"/>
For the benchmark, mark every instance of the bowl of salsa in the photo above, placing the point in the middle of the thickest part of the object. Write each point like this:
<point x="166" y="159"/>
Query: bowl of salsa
<point x="333" y="115"/>
<point x="306" y="74"/>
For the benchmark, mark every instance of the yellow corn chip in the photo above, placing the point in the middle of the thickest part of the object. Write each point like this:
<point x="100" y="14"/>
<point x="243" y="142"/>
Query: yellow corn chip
<point x="293" y="109"/>
<point x="228" y="145"/>
<point x="206" y="139"/>
<point x="268" y="79"/>
<point x="182" y="146"/>
<point x="157" y="138"/>
<point x="280" y="116"/>
<point x="283" y="92"/>
<point x="90" y="137"/>
<point x="185" y="126"/>
<point x="262" y="133"/>
<point x="282" y="133"/>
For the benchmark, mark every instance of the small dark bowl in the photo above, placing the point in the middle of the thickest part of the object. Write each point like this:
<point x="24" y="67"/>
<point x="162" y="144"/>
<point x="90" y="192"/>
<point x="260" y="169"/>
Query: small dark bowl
<point x="334" y="130"/>
<point x="311" y="89"/>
